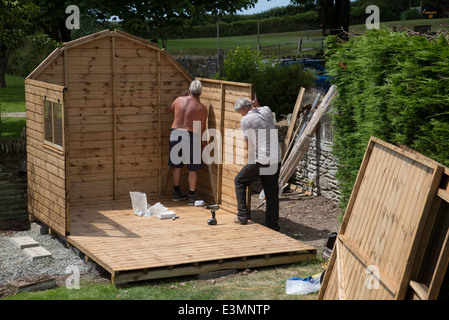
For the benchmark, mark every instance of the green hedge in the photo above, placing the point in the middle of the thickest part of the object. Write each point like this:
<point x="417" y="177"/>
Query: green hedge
<point x="300" y="21"/>
<point x="392" y="86"/>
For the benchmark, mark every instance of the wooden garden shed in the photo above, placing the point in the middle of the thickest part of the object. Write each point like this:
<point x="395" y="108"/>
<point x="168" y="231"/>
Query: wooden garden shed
<point x="97" y="129"/>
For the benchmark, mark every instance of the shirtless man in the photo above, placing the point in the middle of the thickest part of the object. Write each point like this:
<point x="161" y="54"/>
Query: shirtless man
<point x="185" y="131"/>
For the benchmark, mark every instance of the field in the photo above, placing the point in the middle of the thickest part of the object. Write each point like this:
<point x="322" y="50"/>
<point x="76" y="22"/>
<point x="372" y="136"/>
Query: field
<point x="208" y="46"/>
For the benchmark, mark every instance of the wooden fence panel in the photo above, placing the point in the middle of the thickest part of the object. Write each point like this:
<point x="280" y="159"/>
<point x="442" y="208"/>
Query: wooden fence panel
<point x="384" y="233"/>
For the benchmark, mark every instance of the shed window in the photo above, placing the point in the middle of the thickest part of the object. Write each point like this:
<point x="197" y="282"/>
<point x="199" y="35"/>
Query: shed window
<point x="53" y="126"/>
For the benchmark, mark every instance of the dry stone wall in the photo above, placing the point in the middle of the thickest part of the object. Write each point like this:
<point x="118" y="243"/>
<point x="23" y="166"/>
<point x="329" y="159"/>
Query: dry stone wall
<point x="317" y="170"/>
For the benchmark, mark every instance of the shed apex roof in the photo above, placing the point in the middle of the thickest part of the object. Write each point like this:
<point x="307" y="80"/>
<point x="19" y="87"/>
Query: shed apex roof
<point x="98" y="35"/>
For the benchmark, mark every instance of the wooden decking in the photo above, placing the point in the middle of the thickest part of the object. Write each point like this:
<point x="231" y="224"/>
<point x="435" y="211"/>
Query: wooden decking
<point x="136" y="248"/>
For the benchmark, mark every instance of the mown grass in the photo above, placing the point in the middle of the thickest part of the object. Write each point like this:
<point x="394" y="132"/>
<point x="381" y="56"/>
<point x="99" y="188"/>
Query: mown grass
<point x="257" y="284"/>
<point x="12" y="99"/>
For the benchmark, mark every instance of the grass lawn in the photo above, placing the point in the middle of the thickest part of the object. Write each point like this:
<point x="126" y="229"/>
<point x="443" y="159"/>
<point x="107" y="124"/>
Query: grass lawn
<point x="258" y="284"/>
<point x="12" y="99"/>
<point x="208" y="46"/>
<point x="12" y="127"/>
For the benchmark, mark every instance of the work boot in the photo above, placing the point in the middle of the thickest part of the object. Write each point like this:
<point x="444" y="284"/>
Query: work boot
<point x="237" y="220"/>
<point x="178" y="196"/>
<point x="192" y="199"/>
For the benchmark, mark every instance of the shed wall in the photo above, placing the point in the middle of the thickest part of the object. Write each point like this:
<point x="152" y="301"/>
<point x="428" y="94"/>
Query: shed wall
<point x="117" y="132"/>
<point x="45" y="166"/>
<point x="219" y="98"/>
<point x="116" y="89"/>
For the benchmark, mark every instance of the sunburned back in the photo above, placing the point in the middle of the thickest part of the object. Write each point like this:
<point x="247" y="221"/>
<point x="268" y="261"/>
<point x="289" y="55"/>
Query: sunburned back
<point x="187" y="110"/>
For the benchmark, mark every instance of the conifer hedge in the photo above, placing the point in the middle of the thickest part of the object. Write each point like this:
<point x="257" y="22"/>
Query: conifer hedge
<point x="392" y="86"/>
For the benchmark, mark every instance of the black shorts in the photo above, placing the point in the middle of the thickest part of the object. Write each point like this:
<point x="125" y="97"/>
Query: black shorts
<point x="185" y="140"/>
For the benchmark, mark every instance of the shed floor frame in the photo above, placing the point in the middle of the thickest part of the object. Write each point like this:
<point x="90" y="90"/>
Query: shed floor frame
<point x="133" y="248"/>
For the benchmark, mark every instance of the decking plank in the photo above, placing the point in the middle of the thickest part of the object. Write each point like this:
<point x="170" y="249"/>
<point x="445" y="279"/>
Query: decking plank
<point x="113" y="236"/>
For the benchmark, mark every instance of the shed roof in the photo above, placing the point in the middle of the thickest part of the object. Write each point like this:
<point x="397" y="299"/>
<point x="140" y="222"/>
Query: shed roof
<point x="99" y="35"/>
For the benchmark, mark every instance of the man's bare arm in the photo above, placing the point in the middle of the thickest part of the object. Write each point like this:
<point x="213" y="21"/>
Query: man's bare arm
<point x="170" y="107"/>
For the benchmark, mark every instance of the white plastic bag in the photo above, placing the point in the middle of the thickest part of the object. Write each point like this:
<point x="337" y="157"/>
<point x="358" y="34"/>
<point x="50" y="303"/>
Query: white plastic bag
<point x="303" y="285"/>
<point x="139" y="203"/>
<point x="157" y="208"/>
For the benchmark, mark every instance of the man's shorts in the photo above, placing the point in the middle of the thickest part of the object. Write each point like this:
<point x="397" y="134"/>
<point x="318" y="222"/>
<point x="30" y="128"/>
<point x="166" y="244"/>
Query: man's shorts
<point x="183" y="140"/>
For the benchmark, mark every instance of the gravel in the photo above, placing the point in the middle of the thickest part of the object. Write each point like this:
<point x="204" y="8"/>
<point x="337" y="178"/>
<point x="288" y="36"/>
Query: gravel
<point x="15" y="264"/>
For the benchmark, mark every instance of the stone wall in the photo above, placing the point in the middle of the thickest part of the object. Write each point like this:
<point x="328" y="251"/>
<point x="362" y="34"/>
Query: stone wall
<point x="317" y="170"/>
<point x="200" y="67"/>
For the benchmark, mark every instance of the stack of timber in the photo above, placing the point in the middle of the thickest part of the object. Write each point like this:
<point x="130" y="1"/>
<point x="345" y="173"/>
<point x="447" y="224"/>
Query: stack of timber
<point x="394" y="239"/>
<point x="302" y="143"/>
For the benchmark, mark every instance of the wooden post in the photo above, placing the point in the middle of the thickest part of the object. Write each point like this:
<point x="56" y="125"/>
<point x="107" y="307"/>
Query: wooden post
<point x="218" y="45"/>
<point x="114" y="117"/>
<point x="299" y="47"/>
<point x="295" y="113"/>
<point x="159" y="123"/>
<point x="66" y="146"/>
<point x="221" y="150"/>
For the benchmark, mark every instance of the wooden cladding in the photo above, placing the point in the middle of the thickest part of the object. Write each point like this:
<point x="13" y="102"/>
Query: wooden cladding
<point x="45" y="165"/>
<point x="219" y="97"/>
<point x="106" y="94"/>
<point x="393" y="241"/>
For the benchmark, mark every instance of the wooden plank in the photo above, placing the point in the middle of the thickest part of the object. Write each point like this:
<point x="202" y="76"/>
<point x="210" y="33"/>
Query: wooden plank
<point x="385" y="224"/>
<point x="114" y="117"/>
<point x="159" y="122"/>
<point x="432" y="189"/>
<point x="189" y="241"/>
<point x="293" y="120"/>
<point x="440" y="270"/>
<point x="304" y="141"/>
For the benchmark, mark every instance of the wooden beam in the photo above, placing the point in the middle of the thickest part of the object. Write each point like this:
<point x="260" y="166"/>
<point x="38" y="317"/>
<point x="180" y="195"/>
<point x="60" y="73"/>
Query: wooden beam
<point x="66" y="145"/>
<point x="209" y="266"/>
<point x="114" y="117"/>
<point x="295" y="114"/>
<point x="159" y="123"/>
<point x="417" y="238"/>
<point x="303" y="143"/>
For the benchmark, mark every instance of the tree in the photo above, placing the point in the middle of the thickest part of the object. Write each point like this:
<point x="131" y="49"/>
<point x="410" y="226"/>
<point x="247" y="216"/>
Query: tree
<point x="334" y="14"/>
<point x="51" y="17"/>
<point x="159" y="18"/>
<point x="15" y="23"/>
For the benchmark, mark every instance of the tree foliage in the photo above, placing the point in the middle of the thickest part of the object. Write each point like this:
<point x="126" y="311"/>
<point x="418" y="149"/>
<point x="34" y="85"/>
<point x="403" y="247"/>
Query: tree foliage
<point x="51" y="16"/>
<point x="276" y="86"/>
<point x="393" y="86"/>
<point x="15" y="23"/>
<point x="159" y="18"/>
<point x="334" y="14"/>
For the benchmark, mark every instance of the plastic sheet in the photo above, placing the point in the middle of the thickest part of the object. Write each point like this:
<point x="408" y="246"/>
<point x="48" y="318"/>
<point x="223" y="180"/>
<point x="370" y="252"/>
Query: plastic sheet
<point x="303" y="286"/>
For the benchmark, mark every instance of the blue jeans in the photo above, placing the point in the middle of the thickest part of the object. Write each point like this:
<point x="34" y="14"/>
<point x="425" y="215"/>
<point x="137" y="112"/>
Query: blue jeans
<point x="249" y="174"/>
